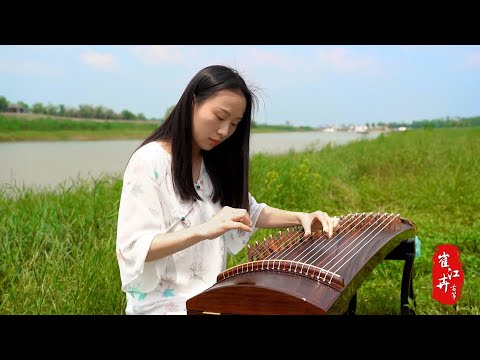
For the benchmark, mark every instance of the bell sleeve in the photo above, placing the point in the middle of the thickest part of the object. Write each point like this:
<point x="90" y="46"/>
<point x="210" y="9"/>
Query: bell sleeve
<point x="140" y="217"/>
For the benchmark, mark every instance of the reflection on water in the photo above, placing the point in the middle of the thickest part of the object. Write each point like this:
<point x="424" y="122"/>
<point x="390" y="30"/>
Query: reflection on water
<point x="47" y="164"/>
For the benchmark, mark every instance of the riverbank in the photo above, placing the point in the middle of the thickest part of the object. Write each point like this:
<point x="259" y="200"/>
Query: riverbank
<point x="31" y="127"/>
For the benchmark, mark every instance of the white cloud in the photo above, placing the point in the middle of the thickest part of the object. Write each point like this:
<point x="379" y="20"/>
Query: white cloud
<point x="98" y="60"/>
<point x="340" y="60"/>
<point x="159" y="54"/>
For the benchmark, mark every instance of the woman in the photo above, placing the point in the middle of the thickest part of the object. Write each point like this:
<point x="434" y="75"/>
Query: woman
<point x="185" y="201"/>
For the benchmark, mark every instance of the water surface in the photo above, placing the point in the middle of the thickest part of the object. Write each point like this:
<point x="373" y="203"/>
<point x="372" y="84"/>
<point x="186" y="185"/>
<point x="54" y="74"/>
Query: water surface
<point x="48" y="164"/>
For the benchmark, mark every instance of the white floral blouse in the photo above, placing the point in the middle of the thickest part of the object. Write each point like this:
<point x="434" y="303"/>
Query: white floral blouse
<point x="149" y="206"/>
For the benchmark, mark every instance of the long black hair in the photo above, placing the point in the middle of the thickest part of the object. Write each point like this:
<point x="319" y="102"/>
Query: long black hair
<point x="227" y="164"/>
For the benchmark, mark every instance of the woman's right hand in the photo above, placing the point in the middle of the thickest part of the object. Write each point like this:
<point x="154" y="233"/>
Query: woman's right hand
<point x="226" y="219"/>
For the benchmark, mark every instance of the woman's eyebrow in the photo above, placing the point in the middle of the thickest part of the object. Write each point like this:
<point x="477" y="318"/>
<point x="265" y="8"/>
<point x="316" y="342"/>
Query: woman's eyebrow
<point x="222" y="109"/>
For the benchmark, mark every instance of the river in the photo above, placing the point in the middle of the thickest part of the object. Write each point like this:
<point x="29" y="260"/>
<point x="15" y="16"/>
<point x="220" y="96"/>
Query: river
<point x="48" y="164"/>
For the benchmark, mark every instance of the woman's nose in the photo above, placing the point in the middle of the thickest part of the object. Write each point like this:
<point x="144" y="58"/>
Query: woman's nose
<point x="223" y="129"/>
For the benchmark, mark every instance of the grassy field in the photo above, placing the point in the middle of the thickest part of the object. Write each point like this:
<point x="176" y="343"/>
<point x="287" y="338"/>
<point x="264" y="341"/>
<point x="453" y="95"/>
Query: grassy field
<point x="57" y="249"/>
<point x="20" y="128"/>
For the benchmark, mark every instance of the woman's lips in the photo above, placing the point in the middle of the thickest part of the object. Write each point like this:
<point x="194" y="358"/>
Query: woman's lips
<point x="213" y="141"/>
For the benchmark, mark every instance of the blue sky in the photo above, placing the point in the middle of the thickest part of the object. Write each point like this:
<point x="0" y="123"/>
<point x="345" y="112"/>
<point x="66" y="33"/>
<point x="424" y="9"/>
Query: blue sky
<point x="315" y="85"/>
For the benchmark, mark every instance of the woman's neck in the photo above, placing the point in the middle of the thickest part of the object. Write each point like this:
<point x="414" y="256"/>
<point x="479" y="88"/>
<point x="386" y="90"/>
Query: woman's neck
<point x="196" y="154"/>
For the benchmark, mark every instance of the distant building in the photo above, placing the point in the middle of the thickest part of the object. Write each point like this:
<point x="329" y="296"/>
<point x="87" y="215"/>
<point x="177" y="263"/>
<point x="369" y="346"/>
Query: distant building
<point x="329" y="129"/>
<point x="16" y="108"/>
<point x="360" y="128"/>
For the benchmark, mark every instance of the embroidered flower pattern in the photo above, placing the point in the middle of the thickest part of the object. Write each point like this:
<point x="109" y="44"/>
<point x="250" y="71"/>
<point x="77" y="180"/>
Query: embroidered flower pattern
<point x="165" y="289"/>
<point x="137" y="189"/>
<point x="131" y="245"/>
<point x="171" y="306"/>
<point x="154" y="212"/>
<point x="196" y="270"/>
<point x="168" y="293"/>
<point x="133" y="292"/>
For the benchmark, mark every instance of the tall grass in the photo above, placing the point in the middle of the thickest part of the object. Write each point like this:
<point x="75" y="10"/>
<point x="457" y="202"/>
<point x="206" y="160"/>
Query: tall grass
<point x="57" y="248"/>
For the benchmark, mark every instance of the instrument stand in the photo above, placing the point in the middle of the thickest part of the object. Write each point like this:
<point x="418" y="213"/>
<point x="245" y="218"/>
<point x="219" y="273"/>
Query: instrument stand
<point x="404" y="251"/>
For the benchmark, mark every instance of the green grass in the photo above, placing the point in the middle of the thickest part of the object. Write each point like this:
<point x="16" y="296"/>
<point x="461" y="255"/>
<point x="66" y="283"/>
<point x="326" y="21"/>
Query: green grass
<point x="57" y="248"/>
<point x="15" y="128"/>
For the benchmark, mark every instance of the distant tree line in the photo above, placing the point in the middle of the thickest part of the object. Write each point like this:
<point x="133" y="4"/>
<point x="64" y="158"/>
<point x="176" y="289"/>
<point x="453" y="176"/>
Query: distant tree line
<point x="101" y="112"/>
<point x="82" y="111"/>
<point x="436" y="123"/>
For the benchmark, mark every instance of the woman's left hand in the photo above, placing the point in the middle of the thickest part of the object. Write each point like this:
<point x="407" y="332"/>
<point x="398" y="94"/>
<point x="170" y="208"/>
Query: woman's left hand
<point x="318" y="220"/>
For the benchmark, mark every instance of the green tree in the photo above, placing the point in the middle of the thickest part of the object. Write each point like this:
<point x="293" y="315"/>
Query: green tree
<point x="3" y="103"/>
<point x="38" y="108"/>
<point x="86" y="111"/>
<point x="51" y="109"/>
<point x="128" y="115"/>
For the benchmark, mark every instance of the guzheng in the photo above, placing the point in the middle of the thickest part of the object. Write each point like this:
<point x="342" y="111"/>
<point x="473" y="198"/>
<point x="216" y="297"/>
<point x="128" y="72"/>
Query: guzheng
<point x="294" y="274"/>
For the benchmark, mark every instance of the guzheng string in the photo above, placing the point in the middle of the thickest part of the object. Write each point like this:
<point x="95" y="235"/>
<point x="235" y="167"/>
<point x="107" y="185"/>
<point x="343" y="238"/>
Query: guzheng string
<point x="362" y="229"/>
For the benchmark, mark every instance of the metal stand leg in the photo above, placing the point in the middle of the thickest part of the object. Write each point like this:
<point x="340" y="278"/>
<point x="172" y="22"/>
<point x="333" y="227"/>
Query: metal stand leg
<point x="352" y="305"/>
<point x="404" y="251"/>
<point x="407" y="285"/>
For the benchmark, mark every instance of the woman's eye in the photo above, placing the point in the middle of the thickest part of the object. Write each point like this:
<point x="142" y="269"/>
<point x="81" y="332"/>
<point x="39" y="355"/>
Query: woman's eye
<point x="234" y="124"/>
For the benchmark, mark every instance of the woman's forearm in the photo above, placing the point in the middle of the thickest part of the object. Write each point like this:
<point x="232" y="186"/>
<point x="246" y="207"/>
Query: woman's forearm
<point x="167" y="244"/>
<point x="226" y="219"/>
<point x="271" y="218"/>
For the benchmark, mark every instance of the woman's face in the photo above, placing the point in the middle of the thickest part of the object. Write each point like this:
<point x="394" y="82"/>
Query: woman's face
<point x="216" y="119"/>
